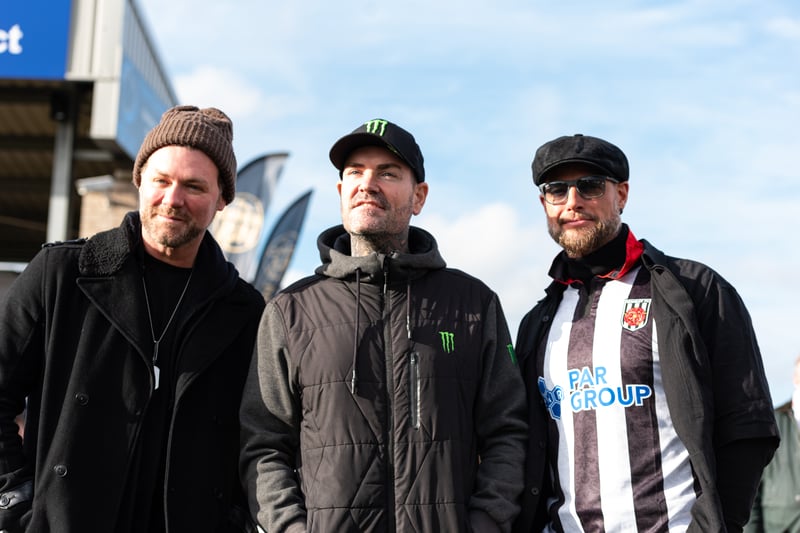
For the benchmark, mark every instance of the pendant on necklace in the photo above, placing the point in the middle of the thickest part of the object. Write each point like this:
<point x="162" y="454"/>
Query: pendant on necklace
<point x="157" y="342"/>
<point x="156" y="370"/>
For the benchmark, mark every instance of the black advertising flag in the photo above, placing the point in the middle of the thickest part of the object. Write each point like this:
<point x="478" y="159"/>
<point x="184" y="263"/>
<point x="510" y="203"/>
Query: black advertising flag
<point x="278" y="250"/>
<point x="240" y="227"/>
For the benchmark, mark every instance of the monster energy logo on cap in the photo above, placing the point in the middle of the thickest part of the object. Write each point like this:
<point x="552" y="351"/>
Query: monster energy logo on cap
<point x="380" y="132"/>
<point x="377" y="126"/>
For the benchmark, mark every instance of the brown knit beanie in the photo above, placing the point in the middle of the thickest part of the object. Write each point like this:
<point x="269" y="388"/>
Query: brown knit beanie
<point x="209" y="130"/>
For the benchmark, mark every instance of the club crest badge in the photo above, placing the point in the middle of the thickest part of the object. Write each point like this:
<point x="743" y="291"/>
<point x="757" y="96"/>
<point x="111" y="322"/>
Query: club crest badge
<point x="635" y="314"/>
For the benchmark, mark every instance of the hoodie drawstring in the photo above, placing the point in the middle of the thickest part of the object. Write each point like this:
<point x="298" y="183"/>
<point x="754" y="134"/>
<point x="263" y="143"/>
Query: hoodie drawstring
<point x="355" y="331"/>
<point x="408" y="310"/>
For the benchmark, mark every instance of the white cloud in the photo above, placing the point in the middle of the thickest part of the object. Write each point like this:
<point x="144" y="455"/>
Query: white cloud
<point x="209" y="85"/>
<point x="785" y="27"/>
<point x="492" y="243"/>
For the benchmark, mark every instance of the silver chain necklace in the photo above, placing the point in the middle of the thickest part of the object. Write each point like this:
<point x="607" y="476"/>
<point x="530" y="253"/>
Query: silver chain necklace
<point x="157" y="342"/>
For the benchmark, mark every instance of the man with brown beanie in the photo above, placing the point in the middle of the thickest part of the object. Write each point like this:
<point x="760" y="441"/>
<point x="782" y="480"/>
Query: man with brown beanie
<point x="648" y="405"/>
<point x="131" y="348"/>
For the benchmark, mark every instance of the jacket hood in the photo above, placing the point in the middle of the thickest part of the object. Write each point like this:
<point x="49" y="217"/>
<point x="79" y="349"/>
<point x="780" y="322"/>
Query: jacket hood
<point x="334" y="251"/>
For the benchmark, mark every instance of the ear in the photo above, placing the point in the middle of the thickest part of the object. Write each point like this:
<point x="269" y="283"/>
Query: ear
<point x="221" y="203"/>
<point x="622" y="195"/>
<point x="420" y="194"/>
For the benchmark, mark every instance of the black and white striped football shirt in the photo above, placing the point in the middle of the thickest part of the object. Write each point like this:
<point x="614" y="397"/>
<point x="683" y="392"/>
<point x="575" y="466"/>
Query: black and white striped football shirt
<point x="618" y="463"/>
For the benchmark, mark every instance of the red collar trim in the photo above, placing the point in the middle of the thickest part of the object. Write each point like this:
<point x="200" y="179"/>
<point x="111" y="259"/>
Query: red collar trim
<point x="633" y="251"/>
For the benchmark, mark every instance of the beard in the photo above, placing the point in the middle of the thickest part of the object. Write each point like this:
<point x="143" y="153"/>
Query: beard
<point x="169" y="235"/>
<point x="384" y="231"/>
<point x="581" y="242"/>
<point x="380" y="221"/>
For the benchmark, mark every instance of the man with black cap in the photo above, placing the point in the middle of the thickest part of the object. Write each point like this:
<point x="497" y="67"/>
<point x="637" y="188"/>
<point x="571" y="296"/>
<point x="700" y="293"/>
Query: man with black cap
<point x="385" y="395"/>
<point x="132" y="348"/>
<point x="649" y="407"/>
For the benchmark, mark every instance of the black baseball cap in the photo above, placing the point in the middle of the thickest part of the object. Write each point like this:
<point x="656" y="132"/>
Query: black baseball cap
<point x="380" y="132"/>
<point x="580" y="148"/>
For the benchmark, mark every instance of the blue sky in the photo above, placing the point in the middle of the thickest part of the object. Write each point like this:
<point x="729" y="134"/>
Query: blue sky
<point x="703" y="97"/>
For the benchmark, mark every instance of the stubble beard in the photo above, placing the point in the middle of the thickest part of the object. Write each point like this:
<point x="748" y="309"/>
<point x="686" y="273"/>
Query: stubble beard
<point x="581" y="242"/>
<point x="169" y="237"/>
<point x="381" y="236"/>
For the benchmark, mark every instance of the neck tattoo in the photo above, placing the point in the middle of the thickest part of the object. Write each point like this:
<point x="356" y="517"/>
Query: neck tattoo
<point x="361" y="245"/>
<point x="157" y="342"/>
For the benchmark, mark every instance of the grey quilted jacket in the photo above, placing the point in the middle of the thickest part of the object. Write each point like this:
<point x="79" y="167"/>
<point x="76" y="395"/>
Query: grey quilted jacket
<point x="385" y="396"/>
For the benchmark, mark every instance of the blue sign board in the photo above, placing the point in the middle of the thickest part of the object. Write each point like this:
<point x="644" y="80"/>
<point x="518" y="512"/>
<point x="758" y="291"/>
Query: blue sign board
<point x="34" y="38"/>
<point x="140" y="108"/>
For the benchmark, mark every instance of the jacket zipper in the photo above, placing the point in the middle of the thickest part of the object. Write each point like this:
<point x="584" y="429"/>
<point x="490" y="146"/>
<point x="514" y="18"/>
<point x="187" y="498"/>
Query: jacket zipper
<point x="390" y="492"/>
<point x="414" y="392"/>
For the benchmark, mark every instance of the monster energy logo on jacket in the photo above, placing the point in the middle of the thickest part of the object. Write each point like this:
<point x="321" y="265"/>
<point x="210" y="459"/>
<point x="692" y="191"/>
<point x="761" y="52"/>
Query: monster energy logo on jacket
<point x="448" y="341"/>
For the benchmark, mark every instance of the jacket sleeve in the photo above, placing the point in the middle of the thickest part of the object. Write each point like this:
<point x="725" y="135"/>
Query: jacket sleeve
<point x="745" y="431"/>
<point x="738" y="464"/>
<point x="756" y="522"/>
<point x="21" y="353"/>
<point x="743" y="403"/>
<point x="501" y="426"/>
<point x="270" y="418"/>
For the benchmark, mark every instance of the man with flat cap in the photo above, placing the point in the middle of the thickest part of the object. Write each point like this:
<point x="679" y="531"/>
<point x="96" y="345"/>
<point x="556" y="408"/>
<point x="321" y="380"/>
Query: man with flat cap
<point x="385" y="394"/>
<point x="649" y="407"/>
<point x="131" y="348"/>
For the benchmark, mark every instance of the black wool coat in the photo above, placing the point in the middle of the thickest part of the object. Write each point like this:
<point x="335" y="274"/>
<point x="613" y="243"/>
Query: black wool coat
<point x="75" y="340"/>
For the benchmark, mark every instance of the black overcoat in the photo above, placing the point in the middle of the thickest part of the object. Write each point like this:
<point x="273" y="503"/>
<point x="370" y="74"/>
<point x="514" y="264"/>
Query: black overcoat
<point x="74" y="340"/>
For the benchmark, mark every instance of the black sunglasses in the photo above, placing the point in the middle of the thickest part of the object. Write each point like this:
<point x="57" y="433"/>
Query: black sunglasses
<point x="589" y="187"/>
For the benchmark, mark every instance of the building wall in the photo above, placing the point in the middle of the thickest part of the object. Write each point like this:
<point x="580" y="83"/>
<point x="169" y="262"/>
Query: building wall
<point x="102" y="210"/>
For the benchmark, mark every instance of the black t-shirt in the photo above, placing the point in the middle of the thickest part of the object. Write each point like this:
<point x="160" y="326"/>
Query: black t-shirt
<point x="145" y="486"/>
